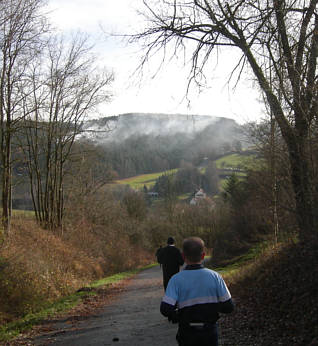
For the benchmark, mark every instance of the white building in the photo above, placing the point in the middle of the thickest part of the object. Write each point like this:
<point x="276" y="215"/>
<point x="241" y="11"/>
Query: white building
<point x="199" y="196"/>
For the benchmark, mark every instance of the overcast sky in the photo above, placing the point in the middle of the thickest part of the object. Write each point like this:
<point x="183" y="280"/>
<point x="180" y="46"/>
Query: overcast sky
<point x="161" y="93"/>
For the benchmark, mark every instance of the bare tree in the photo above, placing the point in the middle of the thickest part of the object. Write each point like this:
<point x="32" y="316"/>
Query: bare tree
<point x="21" y="25"/>
<point x="66" y="86"/>
<point x="276" y="38"/>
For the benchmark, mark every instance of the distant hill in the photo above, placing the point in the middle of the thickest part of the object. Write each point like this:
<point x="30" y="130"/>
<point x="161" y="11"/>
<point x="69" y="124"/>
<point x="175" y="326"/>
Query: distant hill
<point x="141" y="143"/>
<point x="122" y="127"/>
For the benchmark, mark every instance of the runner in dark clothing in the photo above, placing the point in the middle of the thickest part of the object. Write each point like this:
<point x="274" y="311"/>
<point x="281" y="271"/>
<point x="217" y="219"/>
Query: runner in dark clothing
<point x="158" y="255"/>
<point x="171" y="259"/>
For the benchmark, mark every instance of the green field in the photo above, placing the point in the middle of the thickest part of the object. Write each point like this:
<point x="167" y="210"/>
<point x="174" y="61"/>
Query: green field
<point x="149" y="180"/>
<point x="184" y="196"/>
<point x="16" y="213"/>
<point x="236" y="161"/>
<point x="226" y="162"/>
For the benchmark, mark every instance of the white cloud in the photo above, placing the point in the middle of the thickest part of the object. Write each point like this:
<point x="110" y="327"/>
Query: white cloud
<point x="87" y="15"/>
<point x="166" y="92"/>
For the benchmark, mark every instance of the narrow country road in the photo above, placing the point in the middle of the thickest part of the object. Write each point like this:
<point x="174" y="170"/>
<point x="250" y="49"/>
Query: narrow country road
<point x="130" y="317"/>
<point x="133" y="319"/>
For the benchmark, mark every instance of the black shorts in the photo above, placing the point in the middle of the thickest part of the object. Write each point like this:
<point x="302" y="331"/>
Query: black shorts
<point x="206" y="335"/>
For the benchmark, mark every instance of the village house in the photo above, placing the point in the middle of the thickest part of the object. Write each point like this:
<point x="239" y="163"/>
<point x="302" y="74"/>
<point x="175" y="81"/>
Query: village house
<point x="199" y="196"/>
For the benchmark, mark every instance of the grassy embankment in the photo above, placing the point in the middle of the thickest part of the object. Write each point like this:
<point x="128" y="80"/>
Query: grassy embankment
<point x="13" y="329"/>
<point x="275" y="286"/>
<point x="39" y="268"/>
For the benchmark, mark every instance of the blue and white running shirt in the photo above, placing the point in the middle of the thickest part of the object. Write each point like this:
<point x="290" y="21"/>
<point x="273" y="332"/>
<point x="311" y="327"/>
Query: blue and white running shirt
<point x="199" y="294"/>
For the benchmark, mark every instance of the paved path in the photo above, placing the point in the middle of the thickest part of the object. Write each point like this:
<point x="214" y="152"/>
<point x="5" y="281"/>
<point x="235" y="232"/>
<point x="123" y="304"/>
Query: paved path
<point x="132" y="319"/>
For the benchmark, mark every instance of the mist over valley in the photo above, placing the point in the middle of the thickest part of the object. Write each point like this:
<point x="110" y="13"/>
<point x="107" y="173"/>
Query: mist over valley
<point x="139" y="143"/>
<point x="124" y="126"/>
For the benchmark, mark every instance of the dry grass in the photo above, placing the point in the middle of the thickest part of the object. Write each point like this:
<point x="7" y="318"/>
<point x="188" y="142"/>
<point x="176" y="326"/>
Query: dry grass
<point x="37" y="266"/>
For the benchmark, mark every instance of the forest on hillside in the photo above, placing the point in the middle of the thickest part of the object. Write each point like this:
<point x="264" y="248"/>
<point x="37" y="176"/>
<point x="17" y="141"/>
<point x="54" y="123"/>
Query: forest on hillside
<point x="145" y="143"/>
<point x="135" y="155"/>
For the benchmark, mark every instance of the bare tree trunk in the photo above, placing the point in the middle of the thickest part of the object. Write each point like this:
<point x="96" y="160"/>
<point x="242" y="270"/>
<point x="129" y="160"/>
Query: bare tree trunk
<point x="303" y="188"/>
<point x="273" y="178"/>
<point x="6" y="180"/>
<point x="297" y="141"/>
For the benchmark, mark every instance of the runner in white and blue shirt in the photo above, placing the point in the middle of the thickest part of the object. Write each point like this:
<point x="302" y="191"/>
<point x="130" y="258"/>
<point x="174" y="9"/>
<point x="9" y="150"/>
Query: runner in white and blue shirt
<point x="194" y="298"/>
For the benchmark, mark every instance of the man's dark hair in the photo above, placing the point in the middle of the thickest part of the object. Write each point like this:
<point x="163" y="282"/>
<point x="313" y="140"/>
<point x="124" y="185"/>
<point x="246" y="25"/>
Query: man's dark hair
<point x="170" y="241"/>
<point x="193" y="248"/>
